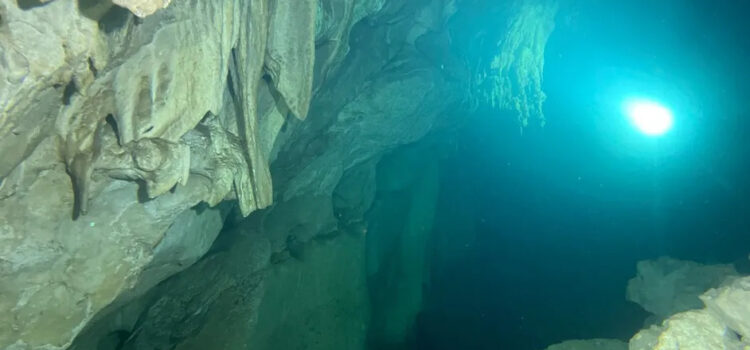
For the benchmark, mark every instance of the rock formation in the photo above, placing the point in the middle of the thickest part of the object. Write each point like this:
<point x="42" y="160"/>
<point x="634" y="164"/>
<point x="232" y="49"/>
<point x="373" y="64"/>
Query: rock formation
<point x="731" y="304"/>
<point x="690" y="330"/>
<point x="702" y="307"/>
<point x="133" y="132"/>
<point x="667" y="286"/>
<point x="590" y="344"/>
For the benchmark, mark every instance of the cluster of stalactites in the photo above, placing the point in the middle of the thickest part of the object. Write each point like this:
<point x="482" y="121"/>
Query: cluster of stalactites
<point x="135" y="89"/>
<point x="513" y="80"/>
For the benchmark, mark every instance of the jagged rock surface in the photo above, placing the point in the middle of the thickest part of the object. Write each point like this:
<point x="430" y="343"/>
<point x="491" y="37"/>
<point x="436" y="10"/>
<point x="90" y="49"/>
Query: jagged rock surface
<point x="142" y="8"/>
<point x="667" y="286"/>
<point x="138" y="127"/>
<point x="398" y="237"/>
<point x="731" y="304"/>
<point x="514" y="79"/>
<point x="691" y="330"/>
<point x="92" y="93"/>
<point x="321" y="298"/>
<point x="723" y="323"/>
<point x="590" y="344"/>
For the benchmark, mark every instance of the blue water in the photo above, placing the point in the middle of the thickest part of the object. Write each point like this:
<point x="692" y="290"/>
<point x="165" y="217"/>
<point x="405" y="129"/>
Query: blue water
<point x="563" y="213"/>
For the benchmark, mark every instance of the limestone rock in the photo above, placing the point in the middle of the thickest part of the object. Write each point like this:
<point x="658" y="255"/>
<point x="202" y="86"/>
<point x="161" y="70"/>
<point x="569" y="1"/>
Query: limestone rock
<point x="590" y="344"/>
<point x="319" y="303"/>
<point x="300" y="218"/>
<point x="717" y="326"/>
<point x="667" y="286"/>
<point x="132" y="125"/>
<point x="691" y="330"/>
<point x="224" y="291"/>
<point x="291" y="52"/>
<point x="521" y="54"/>
<point x="333" y="23"/>
<point x="730" y="303"/>
<point x="185" y="242"/>
<point x="36" y="70"/>
<point x="87" y="102"/>
<point x="57" y="273"/>
<point x="142" y="8"/>
<point x="398" y="235"/>
<point x="416" y="97"/>
<point x="354" y="195"/>
<point x="646" y="339"/>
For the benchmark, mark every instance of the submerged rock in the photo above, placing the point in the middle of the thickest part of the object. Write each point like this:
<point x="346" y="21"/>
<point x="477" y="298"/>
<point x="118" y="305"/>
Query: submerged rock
<point x="143" y="8"/>
<point x="590" y="344"/>
<point x="667" y="286"/>
<point x="691" y="330"/>
<point x="731" y="304"/>
<point x="121" y="133"/>
<point x="724" y="324"/>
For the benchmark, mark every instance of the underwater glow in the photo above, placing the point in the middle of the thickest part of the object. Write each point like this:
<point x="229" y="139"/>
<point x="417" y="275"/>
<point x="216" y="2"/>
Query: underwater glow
<point x="651" y="118"/>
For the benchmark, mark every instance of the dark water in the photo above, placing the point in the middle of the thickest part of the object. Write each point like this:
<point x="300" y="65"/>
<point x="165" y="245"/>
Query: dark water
<point x="552" y="222"/>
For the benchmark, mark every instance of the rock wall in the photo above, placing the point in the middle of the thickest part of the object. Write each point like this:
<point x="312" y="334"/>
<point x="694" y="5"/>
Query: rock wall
<point x="316" y="301"/>
<point x="130" y="133"/>
<point x="590" y="344"/>
<point x="666" y="286"/>
<point x="103" y="114"/>
<point x="399" y="232"/>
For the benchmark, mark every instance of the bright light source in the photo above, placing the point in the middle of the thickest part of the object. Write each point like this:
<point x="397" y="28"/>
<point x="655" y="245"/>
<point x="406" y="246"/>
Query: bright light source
<point x="650" y="117"/>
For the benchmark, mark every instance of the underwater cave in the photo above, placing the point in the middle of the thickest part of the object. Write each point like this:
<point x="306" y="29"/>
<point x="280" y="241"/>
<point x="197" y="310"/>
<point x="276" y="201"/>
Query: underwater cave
<point x="374" y="174"/>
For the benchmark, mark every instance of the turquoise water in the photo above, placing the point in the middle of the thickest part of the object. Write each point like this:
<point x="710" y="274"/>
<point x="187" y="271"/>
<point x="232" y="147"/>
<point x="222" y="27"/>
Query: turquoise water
<point x="562" y="213"/>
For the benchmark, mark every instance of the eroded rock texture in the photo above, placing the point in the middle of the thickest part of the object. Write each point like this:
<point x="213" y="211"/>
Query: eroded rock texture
<point x="590" y="344"/>
<point x="722" y="324"/>
<point x="129" y="134"/>
<point x="667" y="286"/>
<point x="142" y="8"/>
<point x="93" y="97"/>
<point x="731" y="304"/>
<point x="688" y="313"/>
<point x="691" y="330"/>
